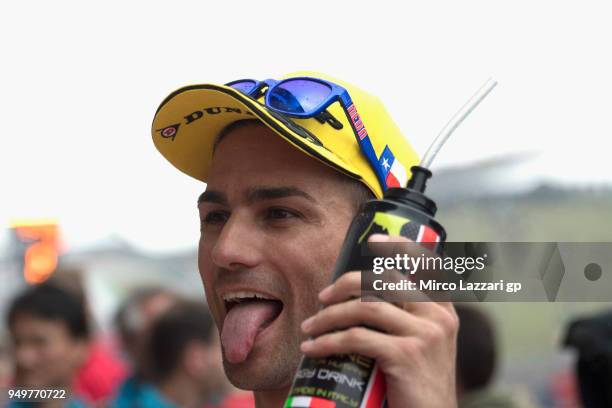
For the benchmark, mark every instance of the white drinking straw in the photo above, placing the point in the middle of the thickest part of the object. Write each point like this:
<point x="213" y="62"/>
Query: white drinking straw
<point x="455" y="121"/>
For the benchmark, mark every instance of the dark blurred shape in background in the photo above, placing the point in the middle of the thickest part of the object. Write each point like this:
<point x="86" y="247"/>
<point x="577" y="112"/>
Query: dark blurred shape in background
<point x="477" y="361"/>
<point x="591" y="337"/>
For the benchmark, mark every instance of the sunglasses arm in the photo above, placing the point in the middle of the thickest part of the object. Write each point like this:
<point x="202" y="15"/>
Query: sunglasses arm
<point x="363" y="139"/>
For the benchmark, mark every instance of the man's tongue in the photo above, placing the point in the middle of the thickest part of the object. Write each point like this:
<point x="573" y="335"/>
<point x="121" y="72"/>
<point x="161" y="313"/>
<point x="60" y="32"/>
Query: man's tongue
<point x="242" y="324"/>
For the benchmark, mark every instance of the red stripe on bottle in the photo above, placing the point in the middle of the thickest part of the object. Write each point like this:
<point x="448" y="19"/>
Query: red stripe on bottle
<point x="321" y="403"/>
<point x="428" y="237"/>
<point x="378" y="393"/>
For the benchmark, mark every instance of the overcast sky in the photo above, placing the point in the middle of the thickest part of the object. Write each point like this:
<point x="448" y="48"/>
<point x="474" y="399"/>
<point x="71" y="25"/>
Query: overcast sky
<point x="80" y="82"/>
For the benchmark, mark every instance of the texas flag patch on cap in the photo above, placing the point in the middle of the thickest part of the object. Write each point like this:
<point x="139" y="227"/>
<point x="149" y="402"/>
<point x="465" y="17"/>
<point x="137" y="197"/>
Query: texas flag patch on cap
<point x="393" y="171"/>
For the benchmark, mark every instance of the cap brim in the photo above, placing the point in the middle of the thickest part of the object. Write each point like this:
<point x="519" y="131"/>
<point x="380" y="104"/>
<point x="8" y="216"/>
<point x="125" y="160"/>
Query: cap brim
<point x="188" y="121"/>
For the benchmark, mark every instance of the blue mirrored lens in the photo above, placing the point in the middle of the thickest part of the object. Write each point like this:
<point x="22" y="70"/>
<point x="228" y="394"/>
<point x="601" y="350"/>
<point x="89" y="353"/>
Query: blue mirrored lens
<point x="246" y="86"/>
<point x="298" y="96"/>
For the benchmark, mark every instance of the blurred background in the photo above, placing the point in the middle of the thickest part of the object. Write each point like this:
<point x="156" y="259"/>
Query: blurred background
<point x="85" y="194"/>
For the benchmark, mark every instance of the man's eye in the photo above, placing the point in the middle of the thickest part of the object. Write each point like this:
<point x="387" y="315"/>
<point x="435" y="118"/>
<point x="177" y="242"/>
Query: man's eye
<point x="215" y="217"/>
<point x="280" y="214"/>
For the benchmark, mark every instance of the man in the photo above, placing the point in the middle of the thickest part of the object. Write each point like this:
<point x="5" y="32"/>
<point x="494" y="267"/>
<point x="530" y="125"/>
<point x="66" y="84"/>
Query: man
<point x="50" y="335"/>
<point x="135" y="316"/>
<point x="185" y="359"/>
<point x="134" y="320"/>
<point x="281" y="193"/>
<point x="103" y="371"/>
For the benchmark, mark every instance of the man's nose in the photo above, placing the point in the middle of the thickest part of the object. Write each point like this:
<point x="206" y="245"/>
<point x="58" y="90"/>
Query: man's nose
<point x="238" y="245"/>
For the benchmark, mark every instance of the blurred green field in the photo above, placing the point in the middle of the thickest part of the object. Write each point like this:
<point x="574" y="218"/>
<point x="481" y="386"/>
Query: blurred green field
<point x="531" y="334"/>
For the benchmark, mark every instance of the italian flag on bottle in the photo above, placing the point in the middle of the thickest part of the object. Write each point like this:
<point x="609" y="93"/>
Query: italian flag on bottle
<point x="309" y="402"/>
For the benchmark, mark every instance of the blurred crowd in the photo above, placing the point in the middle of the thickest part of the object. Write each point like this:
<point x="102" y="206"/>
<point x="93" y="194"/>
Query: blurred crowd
<point x="164" y="351"/>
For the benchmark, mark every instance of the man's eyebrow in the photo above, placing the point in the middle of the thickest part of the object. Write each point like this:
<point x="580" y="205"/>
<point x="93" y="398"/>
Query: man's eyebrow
<point x="270" y="193"/>
<point x="212" y="197"/>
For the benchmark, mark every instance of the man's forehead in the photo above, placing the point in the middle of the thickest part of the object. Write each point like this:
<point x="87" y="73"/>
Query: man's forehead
<point x="257" y="193"/>
<point x="40" y="325"/>
<point x="236" y="126"/>
<point x="246" y="132"/>
<point x="253" y="163"/>
<point x="253" y="146"/>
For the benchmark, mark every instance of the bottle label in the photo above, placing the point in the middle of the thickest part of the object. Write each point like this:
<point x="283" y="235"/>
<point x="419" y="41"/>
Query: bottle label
<point x="347" y="381"/>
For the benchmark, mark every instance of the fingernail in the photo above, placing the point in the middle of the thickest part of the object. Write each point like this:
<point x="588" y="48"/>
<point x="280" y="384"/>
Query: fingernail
<point x="306" y="324"/>
<point x="325" y="293"/>
<point x="378" y="238"/>
<point x="306" y="345"/>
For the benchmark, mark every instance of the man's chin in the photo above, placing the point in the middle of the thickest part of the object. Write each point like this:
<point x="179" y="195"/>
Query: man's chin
<point x="264" y="370"/>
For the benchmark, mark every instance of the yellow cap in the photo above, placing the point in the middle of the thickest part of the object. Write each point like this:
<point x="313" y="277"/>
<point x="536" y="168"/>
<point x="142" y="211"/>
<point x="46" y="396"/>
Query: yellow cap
<point x="189" y="120"/>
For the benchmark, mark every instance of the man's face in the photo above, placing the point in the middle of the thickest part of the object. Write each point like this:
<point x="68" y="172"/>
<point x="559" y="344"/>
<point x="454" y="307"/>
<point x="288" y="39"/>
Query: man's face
<point x="46" y="355"/>
<point x="273" y="221"/>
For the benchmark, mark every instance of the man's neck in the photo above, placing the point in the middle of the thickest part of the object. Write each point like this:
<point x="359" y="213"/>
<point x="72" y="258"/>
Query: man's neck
<point x="271" y="399"/>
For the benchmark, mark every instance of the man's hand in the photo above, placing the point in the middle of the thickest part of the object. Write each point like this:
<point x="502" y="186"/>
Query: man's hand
<point x="414" y="343"/>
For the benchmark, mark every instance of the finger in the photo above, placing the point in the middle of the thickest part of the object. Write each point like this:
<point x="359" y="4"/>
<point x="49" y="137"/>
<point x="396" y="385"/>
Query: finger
<point x="356" y="340"/>
<point x="435" y="311"/>
<point x="347" y="286"/>
<point x="389" y="246"/>
<point x="375" y="315"/>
